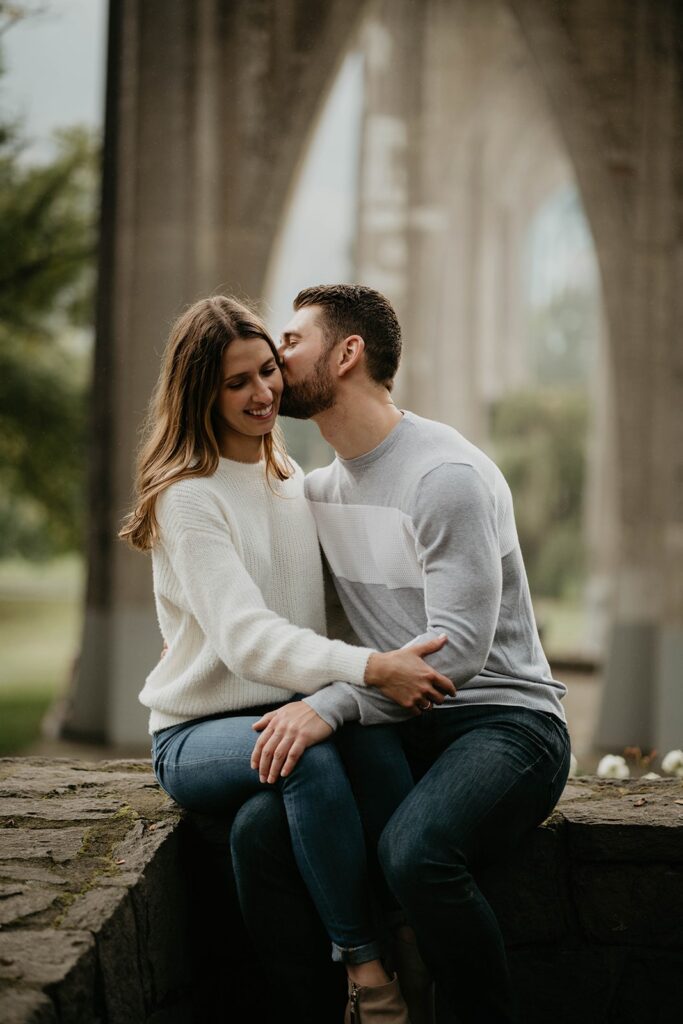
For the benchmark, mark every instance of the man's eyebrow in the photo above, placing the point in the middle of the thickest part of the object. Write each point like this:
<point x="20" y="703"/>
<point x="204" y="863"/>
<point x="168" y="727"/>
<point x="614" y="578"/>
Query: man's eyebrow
<point x="286" y="335"/>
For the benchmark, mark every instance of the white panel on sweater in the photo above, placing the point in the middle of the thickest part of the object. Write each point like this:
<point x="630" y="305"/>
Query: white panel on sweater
<point x="369" y="544"/>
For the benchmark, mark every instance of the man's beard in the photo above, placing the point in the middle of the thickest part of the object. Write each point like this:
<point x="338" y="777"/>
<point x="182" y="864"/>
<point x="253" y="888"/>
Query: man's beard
<point x="310" y="396"/>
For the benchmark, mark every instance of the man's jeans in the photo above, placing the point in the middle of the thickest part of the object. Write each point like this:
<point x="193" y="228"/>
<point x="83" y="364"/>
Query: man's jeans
<point x="486" y="775"/>
<point x="205" y="766"/>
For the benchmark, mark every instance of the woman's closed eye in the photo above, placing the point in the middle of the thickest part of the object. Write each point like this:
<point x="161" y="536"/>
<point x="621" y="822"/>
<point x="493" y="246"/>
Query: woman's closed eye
<point x="235" y="385"/>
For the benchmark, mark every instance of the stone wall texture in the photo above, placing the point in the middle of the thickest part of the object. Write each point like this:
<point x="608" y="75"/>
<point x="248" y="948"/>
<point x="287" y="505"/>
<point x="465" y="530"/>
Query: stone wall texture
<point x="111" y="910"/>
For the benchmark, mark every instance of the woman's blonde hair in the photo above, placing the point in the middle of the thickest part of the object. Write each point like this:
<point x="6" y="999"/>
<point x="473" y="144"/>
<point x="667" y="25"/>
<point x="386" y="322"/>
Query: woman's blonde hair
<point x="180" y="432"/>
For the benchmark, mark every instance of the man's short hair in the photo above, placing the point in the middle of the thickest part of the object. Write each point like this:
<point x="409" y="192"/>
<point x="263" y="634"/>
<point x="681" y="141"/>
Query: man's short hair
<point x="355" y="309"/>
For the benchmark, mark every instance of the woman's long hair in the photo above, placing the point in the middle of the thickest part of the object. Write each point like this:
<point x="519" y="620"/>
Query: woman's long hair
<point x="179" y="439"/>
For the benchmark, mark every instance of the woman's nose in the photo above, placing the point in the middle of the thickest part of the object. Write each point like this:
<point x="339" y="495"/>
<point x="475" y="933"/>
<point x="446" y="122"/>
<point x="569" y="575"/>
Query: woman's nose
<point x="262" y="392"/>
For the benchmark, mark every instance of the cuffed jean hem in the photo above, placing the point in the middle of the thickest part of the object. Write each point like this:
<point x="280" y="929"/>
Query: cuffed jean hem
<point x="356" y="954"/>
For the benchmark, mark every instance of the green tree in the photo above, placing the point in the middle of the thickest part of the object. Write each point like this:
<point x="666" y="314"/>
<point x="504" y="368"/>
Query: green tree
<point x="540" y="441"/>
<point x="47" y="247"/>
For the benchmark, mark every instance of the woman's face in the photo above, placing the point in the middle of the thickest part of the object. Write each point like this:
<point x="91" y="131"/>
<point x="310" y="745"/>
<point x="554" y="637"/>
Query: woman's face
<point x="250" y="389"/>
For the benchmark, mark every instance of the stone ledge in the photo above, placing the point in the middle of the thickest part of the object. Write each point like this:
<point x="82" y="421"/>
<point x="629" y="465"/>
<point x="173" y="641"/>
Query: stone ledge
<point x="89" y="894"/>
<point x="97" y="922"/>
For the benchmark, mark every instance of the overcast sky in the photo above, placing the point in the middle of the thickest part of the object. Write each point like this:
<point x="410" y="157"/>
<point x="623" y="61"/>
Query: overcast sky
<point x="54" y="70"/>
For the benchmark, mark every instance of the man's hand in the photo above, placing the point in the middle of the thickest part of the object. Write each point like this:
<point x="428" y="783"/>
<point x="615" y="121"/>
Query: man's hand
<point x="408" y="680"/>
<point x="285" y="734"/>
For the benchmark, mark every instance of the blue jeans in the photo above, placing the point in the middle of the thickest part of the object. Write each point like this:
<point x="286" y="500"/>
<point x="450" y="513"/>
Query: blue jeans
<point x="204" y="765"/>
<point x="485" y="775"/>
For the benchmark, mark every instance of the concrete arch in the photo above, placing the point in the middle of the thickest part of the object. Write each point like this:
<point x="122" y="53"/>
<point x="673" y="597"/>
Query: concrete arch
<point x="191" y="84"/>
<point x="613" y="77"/>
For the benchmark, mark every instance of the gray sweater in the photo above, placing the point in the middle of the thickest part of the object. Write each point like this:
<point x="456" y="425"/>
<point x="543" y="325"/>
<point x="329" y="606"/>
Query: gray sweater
<point x="420" y="538"/>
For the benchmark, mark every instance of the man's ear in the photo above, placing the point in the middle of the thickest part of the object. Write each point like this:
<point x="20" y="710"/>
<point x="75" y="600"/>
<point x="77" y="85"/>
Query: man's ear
<point x="350" y="353"/>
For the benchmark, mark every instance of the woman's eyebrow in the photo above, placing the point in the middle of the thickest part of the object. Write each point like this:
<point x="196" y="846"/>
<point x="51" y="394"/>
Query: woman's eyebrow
<point x="245" y="373"/>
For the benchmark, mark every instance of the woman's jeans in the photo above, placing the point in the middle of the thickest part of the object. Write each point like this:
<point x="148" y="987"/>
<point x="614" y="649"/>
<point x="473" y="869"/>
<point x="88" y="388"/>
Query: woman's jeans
<point x="204" y="765"/>
<point x="485" y="776"/>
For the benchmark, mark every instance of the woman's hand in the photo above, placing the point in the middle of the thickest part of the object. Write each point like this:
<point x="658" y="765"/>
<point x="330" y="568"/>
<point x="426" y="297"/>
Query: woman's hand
<point x="285" y="735"/>
<point x="408" y="680"/>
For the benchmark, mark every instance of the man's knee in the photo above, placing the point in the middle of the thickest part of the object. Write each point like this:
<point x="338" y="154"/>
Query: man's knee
<point x="414" y="863"/>
<point x="401" y="856"/>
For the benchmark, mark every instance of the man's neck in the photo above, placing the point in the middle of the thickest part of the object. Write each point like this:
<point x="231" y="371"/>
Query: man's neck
<point x="359" y="422"/>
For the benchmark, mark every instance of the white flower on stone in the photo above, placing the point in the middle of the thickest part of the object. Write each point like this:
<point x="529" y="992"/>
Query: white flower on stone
<point x="650" y="777"/>
<point x="573" y="767"/>
<point x="613" y="766"/>
<point x="672" y="763"/>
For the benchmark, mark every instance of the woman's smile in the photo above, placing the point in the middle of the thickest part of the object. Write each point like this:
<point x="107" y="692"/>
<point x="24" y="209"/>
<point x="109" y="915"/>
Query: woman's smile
<point x="263" y="413"/>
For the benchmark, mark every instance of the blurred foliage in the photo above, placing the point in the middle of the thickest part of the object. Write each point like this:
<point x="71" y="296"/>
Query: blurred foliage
<point x="47" y="249"/>
<point x="539" y="440"/>
<point x="562" y="336"/>
<point x="37" y="600"/>
<point x="306" y="444"/>
<point x="21" y="715"/>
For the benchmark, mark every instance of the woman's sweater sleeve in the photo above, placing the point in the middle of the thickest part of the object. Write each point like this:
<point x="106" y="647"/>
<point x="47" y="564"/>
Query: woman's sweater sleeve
<point x="251" y="640"/>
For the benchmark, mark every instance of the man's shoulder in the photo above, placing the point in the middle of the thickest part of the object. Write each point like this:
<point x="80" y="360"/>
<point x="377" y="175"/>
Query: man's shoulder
<point x="437" y="444"/>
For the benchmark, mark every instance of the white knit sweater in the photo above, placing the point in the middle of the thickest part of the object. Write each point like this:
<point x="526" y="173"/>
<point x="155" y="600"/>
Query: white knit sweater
<point x="239" y="596"/>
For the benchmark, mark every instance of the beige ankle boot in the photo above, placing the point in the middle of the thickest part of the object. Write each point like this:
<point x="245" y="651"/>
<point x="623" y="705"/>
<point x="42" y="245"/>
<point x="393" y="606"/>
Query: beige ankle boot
<point x="379" y="1004"/>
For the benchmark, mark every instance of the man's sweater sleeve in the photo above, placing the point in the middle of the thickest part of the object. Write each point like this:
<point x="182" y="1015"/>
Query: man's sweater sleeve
<point x="253" y="641"/>
<point x="456" y="530"/>
<point x="342" y="702"/>
<point x="455" y="523"/>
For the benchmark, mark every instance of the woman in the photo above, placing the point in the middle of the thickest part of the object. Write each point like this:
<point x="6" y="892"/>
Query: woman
<point x="239" y="596"/>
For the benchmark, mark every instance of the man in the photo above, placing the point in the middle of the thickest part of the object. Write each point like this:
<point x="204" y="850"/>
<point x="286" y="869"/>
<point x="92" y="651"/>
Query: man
<point x="418" y="531"/>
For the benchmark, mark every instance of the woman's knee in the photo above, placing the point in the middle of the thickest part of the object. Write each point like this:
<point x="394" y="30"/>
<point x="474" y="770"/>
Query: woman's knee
<point x="319" y="778"/>
<point x="321" y="761"/>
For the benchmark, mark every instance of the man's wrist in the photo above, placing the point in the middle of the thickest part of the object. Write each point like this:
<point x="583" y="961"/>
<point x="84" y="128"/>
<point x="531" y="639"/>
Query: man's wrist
<point x="334" y="704"/>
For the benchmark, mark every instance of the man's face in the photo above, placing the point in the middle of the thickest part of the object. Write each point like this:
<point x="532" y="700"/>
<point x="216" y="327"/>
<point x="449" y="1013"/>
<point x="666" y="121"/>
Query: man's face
<point x="309" y="385"/>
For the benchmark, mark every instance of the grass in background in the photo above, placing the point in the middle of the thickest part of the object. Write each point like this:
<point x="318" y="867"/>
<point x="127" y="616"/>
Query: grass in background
<point x="40" y="622"/>
<point x="562" y="624"/>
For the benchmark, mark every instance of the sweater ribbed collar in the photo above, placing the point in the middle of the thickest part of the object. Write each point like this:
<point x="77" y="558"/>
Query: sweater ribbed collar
<point x="385" y="446"/>
<point x="241" y="470"/>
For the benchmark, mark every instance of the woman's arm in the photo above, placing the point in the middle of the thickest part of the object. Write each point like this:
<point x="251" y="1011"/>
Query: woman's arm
<point x="251" y="639"/>
<point x="289" y="730"/>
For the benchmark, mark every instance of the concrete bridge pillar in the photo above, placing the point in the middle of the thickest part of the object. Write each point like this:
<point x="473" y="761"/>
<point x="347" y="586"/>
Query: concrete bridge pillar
<point x="614" y="78"/>
<point x="474" y="153"/>
<point x="209" y="105"/>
